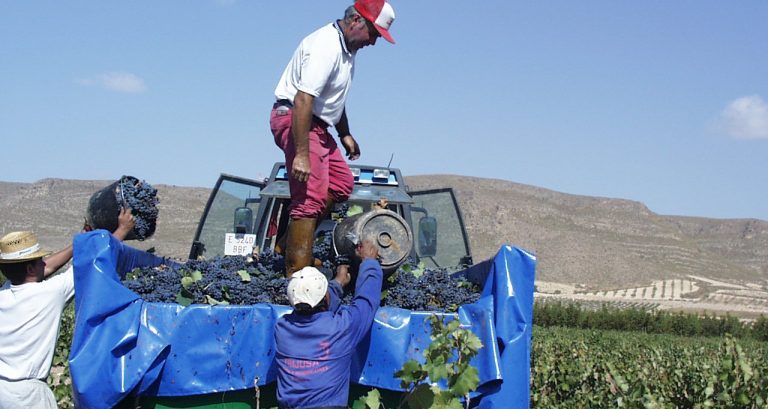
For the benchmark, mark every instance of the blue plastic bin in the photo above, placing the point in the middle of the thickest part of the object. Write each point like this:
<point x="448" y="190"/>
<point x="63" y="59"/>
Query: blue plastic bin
<point x="124" y="346"/>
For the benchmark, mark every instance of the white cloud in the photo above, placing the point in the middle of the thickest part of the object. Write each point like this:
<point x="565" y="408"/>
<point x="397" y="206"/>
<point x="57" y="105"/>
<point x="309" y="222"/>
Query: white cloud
<point x="124" y="82"/>
<point x="746" y="118"/>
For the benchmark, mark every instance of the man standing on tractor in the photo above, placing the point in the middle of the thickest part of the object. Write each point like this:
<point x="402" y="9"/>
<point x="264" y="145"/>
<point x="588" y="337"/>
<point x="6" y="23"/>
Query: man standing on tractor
<point x="311" y="96"/>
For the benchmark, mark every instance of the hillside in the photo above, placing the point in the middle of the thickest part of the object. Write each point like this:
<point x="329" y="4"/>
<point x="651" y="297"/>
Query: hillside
<point x="591" y="242"/>
<point x="600" y="242"/>
<point x="55" y="209"/>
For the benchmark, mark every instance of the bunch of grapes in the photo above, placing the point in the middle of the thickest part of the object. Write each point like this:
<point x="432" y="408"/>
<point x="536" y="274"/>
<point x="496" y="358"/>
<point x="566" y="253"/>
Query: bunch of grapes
<point x="269" y="284"/>
<point x="323" y="250"/>
<point x="141" y="197"/>
<point x="219" y="280"/>
<point x="228" y="279"/>
<point x="223" y="279"/>
<point x="432" y="290"/>
<point x="154" y="284"/>
<point x="241" y="280"/>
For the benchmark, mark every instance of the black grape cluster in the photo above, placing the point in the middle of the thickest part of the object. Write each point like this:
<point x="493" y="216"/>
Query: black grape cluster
<point x="322" y="249"/>
<point x="141" y="197"/>
<point x="341" y="211"/>
<point x="154" y="284"/>
<point x="433" y="290"/>
<point x="269" y="284"/>
<point x="220" y="281"/>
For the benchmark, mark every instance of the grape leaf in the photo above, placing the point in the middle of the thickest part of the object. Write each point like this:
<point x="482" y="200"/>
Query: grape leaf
<point x="244" y="276"/>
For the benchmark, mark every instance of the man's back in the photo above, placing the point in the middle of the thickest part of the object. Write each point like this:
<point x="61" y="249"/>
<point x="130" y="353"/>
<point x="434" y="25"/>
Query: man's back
<point x="314" y="352"/>
<point x="31" y="313"/>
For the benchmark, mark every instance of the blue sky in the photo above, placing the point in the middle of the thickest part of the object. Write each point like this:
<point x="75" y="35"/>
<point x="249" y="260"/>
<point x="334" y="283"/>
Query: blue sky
<point x="661" y="102"/>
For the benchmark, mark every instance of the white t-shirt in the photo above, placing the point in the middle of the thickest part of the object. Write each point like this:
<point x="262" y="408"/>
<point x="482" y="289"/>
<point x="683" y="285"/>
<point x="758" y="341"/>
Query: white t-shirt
<point x="322" y="67"/>
<point x="29" y="325"/>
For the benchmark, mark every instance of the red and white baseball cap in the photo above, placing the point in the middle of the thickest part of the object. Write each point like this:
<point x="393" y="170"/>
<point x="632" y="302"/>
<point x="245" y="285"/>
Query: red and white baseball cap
<point x="378" y="12"/>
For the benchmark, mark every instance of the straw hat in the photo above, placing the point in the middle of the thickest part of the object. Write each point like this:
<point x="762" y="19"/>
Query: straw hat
<point x="20" y="246"/>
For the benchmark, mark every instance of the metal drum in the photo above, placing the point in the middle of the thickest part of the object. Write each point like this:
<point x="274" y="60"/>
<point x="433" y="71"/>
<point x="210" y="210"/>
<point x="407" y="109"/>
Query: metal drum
<point x="385" y="228"/>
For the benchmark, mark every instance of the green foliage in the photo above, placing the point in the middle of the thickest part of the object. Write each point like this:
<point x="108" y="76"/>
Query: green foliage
<point x="370" y="401"/>
<point x="583" y="368"/>
<point x="59" y="378"/>
<point x="447" y="359"/>
<point x="574" y="368"/>
<point x="212" y="301"/>
<point x="760" y="329"/>
<point x="354" y="210"/>
<point x="244" y="276"/>
<point x="417" y="270"/>
<point x="572" y="315"/>
<point x="188" y="279"/>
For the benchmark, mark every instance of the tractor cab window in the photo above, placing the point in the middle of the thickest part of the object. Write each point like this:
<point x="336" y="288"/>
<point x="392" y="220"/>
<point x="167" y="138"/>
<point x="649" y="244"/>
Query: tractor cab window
<point x="228" y="224"/>
<point x="439" y="236"/>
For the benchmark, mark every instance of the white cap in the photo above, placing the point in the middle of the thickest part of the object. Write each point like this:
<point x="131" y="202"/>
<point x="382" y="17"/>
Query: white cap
<point x="307" y="286"/>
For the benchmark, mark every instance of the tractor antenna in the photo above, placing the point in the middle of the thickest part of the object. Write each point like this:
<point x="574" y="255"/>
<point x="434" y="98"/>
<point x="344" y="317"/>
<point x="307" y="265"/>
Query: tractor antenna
<point x="390" y="159"/>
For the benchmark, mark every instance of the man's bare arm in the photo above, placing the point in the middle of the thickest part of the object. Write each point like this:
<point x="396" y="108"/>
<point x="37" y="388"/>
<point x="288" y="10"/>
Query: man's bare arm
<point x="301" y="122"/>
<point x="125" y="223"/>
<point x="346" y="138"/>
<point x="54" y="262"/>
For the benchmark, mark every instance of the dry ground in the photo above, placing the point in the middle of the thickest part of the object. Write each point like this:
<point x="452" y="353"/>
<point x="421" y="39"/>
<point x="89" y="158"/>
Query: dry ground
<point x="693" y="294"/>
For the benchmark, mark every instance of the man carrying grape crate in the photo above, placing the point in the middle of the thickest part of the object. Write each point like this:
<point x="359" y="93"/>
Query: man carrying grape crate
<point x="316" y="341"/>
<point x="311" y="96"/>
<point x="31" y="305"/>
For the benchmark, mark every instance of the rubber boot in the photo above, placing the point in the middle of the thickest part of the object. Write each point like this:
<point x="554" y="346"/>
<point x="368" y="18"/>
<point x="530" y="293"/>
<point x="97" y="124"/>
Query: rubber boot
<point x="329" y="202"/>
<point x="280" y="245"/>
<point x="298" y="251"/>
<point x="281" y="241"/>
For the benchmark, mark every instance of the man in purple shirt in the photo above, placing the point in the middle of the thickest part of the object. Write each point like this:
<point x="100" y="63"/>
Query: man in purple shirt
<point x="316" y="341"/>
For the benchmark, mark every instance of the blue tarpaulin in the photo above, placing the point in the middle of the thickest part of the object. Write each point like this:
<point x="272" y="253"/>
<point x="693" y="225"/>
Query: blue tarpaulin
<point x="125" y="346"/>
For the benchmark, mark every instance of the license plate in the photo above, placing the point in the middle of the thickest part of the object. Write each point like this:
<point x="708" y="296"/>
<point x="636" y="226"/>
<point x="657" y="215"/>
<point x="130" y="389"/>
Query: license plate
<point x="239" y="244"/>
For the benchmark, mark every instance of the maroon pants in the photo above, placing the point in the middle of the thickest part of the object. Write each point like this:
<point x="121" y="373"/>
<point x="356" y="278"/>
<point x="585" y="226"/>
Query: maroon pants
<point x="329" y="173"/>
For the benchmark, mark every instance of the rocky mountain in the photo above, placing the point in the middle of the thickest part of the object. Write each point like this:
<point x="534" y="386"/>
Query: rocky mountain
<point x="600" y="242"/>
<point x="592" y="242"/>
<point x="55" y="210"/>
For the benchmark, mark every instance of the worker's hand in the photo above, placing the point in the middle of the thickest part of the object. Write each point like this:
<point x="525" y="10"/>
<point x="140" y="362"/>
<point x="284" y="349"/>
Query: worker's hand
<point x="351" y="146"/>
<point x="125" y="223"/>
<point x="342" y="274"/>
<point x="381" y="204"/>
<point x="86" y="227"/>
<point x="301" y="169"/>
<point x="366" y="249"/>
